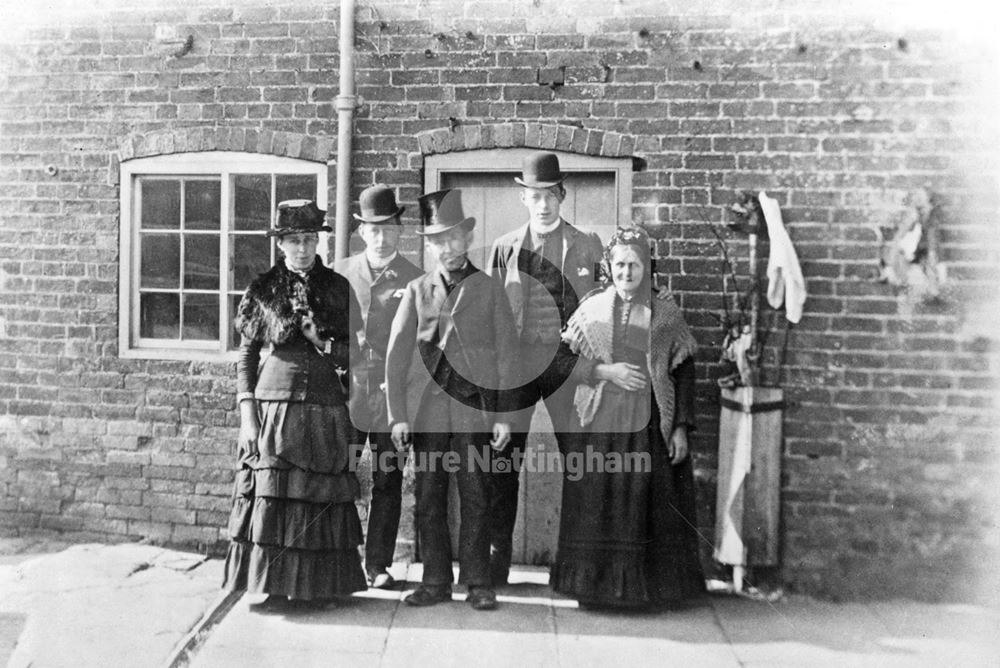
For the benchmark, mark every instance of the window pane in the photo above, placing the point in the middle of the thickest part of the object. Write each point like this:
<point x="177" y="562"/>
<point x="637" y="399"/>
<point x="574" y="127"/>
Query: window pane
<point x="159" y="315"/>
<point x="201" y="317"/>
<point x="202" y="205"/>
<point x="251" y="256"/>
<point x="295" y="186"/>
<point x="234" y="335"/>
<point x="161" y="204"/>
<point x="252" y="202"/>
<point x="201" y="261"/>
<point x="161" y="261"/>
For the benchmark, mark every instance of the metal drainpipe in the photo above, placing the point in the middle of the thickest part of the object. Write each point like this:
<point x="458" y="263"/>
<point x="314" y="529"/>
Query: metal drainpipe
<point x="345" y="103"/>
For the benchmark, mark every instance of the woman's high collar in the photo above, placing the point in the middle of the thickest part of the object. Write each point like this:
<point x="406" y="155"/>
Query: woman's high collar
<point x="303" y="272"/>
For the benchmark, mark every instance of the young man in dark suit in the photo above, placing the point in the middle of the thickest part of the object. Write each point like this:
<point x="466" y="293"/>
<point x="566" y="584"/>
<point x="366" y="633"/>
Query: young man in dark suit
<point x="378" y="276"/>
<point x="459" y="320"/>
<point x="546" y="266"/>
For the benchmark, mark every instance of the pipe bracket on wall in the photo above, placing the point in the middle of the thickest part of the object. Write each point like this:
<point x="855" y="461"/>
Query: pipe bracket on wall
<point x="347" y="102"/>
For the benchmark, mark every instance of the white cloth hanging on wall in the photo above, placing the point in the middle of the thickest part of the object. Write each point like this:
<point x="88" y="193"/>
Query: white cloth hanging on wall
<point x="784" y="275"/>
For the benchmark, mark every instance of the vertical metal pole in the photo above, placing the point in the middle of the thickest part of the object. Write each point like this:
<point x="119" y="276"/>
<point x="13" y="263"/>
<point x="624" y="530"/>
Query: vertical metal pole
<point x="345" y="103"/>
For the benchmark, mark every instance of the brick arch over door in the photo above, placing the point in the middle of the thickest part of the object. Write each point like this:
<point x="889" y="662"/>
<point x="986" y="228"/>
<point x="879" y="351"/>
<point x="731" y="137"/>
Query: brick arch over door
<point x="566" y="138"/>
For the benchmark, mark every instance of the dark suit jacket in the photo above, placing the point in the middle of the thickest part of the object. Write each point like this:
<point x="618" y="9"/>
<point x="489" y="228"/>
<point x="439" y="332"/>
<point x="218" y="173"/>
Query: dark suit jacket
<point x="471" y="331"/>
<point x="379" y="300"/>
<point x="582" y="253"/>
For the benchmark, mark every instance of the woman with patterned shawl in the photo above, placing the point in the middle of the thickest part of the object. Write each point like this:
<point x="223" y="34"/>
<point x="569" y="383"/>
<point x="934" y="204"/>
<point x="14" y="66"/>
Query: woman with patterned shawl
<point x="628" y="537"/>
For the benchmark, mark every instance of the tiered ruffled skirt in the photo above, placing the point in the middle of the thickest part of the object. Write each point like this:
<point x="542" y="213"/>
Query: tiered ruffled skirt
<point x="294" y="527"/>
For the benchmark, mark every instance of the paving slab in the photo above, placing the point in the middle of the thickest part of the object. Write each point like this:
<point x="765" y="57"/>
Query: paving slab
<point x="798" y="631"/>
<point x="103" y="605"/>
<point x="687" y="636"/>
<point x="455" y="635"/>
<point x="353" y="634"/>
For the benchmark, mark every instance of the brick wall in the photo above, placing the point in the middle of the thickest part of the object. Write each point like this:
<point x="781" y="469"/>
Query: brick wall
<point x="889" y="459"/>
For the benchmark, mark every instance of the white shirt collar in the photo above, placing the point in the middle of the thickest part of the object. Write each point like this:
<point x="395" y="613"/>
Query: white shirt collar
<point x="384" y="264"/>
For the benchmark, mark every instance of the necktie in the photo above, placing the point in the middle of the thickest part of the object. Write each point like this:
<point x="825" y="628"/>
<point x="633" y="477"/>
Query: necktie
<point x="549" y="247"/>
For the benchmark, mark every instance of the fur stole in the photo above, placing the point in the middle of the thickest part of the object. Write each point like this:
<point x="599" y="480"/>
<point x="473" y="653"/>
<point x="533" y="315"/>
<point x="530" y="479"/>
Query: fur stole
<point x="272" y="307"/>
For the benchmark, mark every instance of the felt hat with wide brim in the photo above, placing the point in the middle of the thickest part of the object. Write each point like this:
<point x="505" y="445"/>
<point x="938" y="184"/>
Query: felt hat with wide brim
<point x="299" y="215"/>
<point x="442" y="210"/>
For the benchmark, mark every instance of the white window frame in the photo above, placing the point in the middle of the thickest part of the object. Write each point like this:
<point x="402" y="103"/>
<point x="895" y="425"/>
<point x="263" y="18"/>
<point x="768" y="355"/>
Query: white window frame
<point x="221" y="164"/>
<point x="510" y="160"/>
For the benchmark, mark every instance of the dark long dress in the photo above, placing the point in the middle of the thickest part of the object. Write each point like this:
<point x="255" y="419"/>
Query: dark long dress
<point x="629" y="538"/>
<point x="294" y="525"/>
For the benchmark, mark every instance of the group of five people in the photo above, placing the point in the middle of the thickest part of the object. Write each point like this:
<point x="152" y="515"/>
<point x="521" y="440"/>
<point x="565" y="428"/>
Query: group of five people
<point x="448" y="365"/>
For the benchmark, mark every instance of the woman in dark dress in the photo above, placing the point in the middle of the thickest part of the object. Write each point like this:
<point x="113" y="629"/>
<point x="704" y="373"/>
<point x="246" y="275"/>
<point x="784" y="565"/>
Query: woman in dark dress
<point x="294" y="527"/>
<point x="628" y="538"/>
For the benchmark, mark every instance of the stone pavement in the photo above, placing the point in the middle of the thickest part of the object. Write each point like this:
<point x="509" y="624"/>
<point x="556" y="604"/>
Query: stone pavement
<point x="534" y="627"/>
<point x="98" y="605"/>
<point x="139" y="605"/>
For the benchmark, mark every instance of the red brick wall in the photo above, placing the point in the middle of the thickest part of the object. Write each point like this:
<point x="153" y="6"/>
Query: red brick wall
<point x="889" y="454"/>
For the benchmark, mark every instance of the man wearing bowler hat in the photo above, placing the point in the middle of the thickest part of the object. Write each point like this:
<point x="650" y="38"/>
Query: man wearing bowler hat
<point x="547" y="266"/>
<point x="378" y="276"/>
<point x="459" y="320"/>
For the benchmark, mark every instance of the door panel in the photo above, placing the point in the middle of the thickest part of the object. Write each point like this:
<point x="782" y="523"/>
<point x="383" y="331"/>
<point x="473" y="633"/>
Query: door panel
<point x="494" y="199"/>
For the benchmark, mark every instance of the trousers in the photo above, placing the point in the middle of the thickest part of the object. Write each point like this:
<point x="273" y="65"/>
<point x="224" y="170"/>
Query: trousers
<point x="465" y="451"/>
<point x="387" y="500"/>
<point x="506" y="469"/>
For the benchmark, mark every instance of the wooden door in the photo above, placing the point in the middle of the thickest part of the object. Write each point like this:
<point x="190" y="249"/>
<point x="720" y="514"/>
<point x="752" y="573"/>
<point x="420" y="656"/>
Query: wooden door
<point x="493" y="198"/>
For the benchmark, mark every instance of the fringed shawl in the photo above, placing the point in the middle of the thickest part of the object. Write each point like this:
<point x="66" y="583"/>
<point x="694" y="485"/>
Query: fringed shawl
<point x="590" y="333"/>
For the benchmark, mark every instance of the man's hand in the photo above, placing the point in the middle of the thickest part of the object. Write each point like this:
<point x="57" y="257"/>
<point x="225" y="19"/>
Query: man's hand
<point x="401" y="436"/>
<point x="677" y="449"/>
<point x="501" y="436"/>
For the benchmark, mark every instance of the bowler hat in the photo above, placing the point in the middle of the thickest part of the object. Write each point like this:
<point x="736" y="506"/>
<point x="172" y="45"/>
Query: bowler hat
<point x="540" y="170"/>
<point x="299" y="215"/>
<point x="378" y="205"/>
<point x="442" y="210"/>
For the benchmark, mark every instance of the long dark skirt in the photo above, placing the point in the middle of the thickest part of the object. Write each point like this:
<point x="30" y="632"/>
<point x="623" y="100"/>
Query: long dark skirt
<point x="294" y="527"/>
<point x="627" y="538"/>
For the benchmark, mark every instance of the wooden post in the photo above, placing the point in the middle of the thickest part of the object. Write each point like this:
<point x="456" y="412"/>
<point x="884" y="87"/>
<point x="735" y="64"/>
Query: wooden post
<point x="748" y="500"/>
<point x="753" y="354"/>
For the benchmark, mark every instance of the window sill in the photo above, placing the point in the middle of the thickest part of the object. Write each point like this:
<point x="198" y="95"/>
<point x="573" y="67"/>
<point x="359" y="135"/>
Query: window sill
<point x="183" y="354"/>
